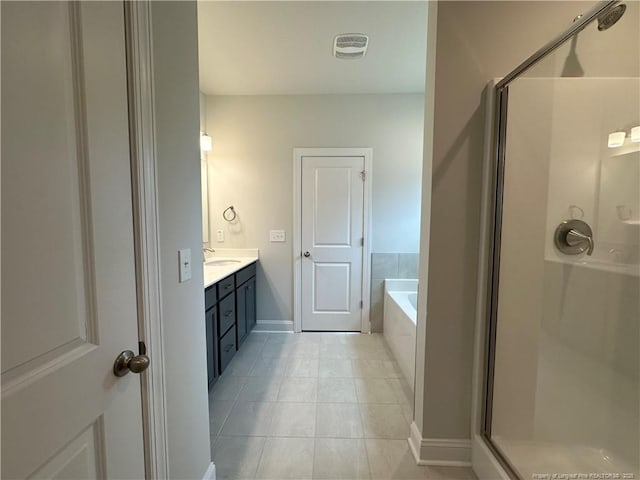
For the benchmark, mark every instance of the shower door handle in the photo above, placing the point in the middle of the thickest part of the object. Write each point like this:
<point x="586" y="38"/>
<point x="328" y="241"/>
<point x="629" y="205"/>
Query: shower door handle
<point x="573" y="237"/>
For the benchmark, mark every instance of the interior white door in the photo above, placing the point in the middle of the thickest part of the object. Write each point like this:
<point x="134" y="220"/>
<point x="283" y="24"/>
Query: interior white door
<point x="68" y="272"/>
<point x="332" y="245"/>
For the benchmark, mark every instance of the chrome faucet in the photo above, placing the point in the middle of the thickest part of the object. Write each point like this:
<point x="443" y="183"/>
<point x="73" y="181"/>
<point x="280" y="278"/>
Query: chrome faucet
<point x="204" y="255"/>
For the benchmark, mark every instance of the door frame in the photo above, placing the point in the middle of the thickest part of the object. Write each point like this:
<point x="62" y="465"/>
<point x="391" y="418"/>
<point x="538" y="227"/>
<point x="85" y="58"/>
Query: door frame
<point x="142" y="133"/>
<point x="298" y="155"/>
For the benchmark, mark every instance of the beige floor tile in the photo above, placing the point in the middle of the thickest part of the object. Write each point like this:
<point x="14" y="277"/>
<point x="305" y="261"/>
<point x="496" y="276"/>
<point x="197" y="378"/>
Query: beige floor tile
<point x="260" y="389"/>
<point x="277" y="350"/>
<point x="302" y="367"/>
<point x="370" y="352"/>
<point x="449" y="473"/>
<point x="338" y="420"/>
<point x="250" y="349"/>
<point x="298" y="390"/>
<point x="286" y="458"/>
<point x="337" y="390"/>
<point x="269" y="367"/>
<point x="227" y="388"/>
<point x="236" y="458"/>
<point x="384" y="421"/>
<point x="248" y="419"/>
<point x="282" y="338"/>
<point x="392" y="459"/>
<point x="218" y="412"/>
<point x="335" y="368"/>
<point x="402" y="391"/>
<point x="340" y="458"/>
<point x="240" y="366"/>
<point x="305" y="350"/>
<point x="367" y="368"/>
<point x="375" y="390"/>
<point x="293" y="420"/>
<point x="334" y="350"/>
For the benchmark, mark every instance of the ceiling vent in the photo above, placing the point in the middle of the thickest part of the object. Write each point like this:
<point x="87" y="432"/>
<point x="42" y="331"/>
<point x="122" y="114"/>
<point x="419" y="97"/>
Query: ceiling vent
<point x="350" y="45"/>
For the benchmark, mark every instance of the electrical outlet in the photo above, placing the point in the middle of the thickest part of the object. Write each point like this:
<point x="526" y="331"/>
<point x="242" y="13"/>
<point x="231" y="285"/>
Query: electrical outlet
<point x="277" y="236"/>
<point x="184" y="259"/>
<point x="220" y="235"/>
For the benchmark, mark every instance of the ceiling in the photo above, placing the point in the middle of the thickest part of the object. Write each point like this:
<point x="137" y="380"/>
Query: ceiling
<point x="285" y="48"/>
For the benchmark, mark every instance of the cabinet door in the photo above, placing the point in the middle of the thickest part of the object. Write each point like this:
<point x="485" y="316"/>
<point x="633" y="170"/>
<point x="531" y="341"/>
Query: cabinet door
<point x="250" y="304"/>
<point x="211" y="322"/>
<point x="241" y="313"/>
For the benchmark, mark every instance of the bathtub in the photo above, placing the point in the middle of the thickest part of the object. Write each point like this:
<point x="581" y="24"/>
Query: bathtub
<point x="399" y="323"/>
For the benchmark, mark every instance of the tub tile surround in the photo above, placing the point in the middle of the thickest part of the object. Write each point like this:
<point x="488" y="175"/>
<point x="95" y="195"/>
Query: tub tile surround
<point x="343" y="413"/>
<point x="388" y="265"/>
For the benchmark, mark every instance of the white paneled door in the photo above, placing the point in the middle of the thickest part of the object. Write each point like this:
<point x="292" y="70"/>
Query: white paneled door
<point x="68" y="271"/>
<point x="332" y="243"/>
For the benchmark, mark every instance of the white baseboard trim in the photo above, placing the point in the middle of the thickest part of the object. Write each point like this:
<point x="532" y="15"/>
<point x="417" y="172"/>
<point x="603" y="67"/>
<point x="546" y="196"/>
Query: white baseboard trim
<point x="443" y="452"/>
<point x="210" y="474"/>
<point x="274" y="326"/>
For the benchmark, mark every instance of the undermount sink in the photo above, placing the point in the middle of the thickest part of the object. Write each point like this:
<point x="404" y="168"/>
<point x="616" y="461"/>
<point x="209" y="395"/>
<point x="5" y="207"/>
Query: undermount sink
<point x="221" y="263"/>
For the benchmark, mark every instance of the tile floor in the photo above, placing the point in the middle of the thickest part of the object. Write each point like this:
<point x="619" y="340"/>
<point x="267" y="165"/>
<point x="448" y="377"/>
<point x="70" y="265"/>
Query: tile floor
<point x="315" y="406"/>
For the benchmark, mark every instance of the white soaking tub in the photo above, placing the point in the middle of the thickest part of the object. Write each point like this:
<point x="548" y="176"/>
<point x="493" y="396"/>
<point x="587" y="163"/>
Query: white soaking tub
<point x="399" y="323"/>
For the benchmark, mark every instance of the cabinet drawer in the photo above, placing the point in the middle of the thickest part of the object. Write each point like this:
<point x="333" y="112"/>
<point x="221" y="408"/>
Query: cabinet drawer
<point x="227" y="313"/>
<point x="227" y="348"/>
<point x="210" y="297"/>
<point x="245" y="274"/>
<point x="225" y="286"/>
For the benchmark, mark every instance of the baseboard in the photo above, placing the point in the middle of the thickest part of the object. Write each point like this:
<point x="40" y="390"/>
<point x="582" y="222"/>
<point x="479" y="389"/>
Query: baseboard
<point x="274" y="326"/>
<point x="210" y="474"/>
<point x="443" y="452"/>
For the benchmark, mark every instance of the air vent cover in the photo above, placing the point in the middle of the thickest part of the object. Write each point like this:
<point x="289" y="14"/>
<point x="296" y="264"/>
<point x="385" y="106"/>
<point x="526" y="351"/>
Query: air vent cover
<point x="350" y="45"/>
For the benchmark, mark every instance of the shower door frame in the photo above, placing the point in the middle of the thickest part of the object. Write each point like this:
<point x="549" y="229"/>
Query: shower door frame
<point x="491" y="278"/>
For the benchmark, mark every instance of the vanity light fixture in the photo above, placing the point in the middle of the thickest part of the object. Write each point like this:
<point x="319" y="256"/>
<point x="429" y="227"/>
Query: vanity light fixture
<point x="616" y="139"/>
<point x="205" y="142"/>
<point x="635" y="134"/>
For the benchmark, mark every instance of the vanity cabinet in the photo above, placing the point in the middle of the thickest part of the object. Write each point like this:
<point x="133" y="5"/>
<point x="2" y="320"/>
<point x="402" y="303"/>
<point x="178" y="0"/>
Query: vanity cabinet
<point x="211" y="322"/>
<point x="230" y="306"/>
<point x="246" y="312"/>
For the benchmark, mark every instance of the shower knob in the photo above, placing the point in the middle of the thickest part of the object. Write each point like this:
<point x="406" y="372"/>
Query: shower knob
<point x="573" y="237"/>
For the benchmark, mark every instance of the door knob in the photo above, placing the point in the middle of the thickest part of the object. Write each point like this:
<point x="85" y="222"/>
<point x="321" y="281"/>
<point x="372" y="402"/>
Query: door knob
<point x="306" y="254"/>
<point x="574" y="237"/>
<point x="128" y="362"/>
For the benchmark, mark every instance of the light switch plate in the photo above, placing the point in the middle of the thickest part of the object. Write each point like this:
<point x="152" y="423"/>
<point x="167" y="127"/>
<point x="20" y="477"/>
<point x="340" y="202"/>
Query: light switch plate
<point x="277" y="236"/>
<point x="220" y="235"/>
<point x="184" y="259"/>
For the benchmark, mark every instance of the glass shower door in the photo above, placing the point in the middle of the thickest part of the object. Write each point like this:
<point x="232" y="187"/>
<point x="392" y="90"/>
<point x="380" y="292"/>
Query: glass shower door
<point x="563" y="386"/>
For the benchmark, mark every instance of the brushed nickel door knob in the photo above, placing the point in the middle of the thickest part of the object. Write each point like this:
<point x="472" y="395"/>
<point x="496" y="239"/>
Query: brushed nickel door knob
<point x="128" y="362"/>
<point x="306" y="254"/>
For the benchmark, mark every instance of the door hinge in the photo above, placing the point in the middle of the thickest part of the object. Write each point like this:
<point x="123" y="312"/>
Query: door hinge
<point x="363" y="175"/>
<point x="361" y="305"/>
<point x="362" y="241"/>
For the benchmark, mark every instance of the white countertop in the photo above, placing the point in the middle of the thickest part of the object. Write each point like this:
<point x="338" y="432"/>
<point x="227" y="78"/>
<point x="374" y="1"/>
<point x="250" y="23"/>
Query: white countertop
<point x="240" y="257"/>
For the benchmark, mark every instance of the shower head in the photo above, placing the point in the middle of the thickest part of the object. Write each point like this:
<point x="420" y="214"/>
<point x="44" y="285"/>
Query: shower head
<point x="610" y="17"/>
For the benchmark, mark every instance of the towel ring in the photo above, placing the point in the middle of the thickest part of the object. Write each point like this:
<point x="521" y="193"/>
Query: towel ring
<point x="229" y="217"/>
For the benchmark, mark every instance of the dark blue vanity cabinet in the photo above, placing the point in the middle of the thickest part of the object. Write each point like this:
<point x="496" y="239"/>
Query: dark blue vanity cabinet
<point x="230" y="307"/>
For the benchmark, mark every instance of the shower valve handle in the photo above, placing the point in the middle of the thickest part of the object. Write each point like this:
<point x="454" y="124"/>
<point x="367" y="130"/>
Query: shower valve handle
<point x="573" y="237"/>
<point x="576" y="238"/>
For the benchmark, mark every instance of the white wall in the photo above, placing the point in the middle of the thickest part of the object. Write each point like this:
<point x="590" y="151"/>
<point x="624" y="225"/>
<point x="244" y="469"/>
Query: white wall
<point x="175" y="63"/>
<point x="250" y="167"/>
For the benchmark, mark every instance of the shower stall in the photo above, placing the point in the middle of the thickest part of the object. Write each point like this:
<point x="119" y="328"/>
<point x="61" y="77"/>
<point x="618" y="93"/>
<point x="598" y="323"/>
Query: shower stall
<point x="561" y="309"/>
